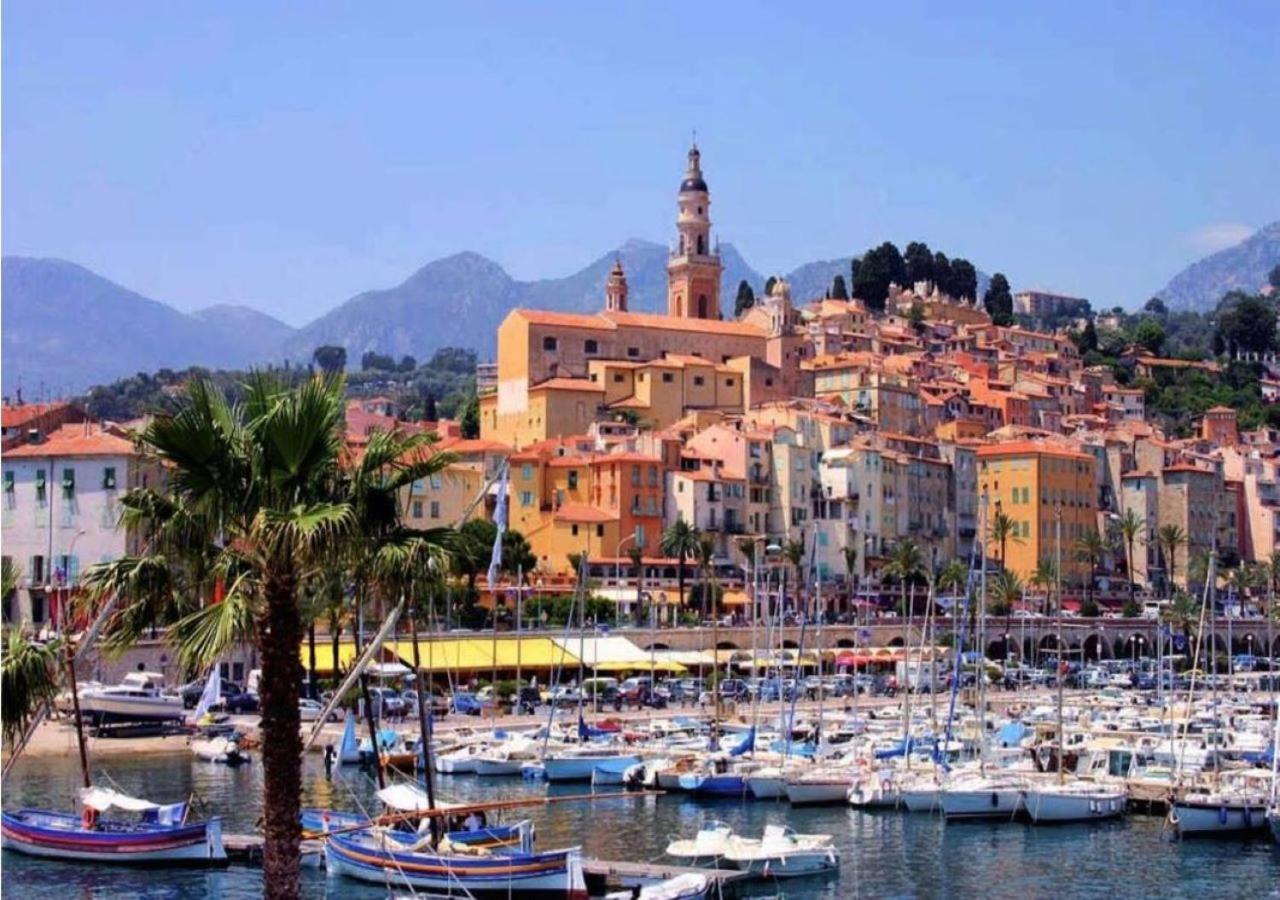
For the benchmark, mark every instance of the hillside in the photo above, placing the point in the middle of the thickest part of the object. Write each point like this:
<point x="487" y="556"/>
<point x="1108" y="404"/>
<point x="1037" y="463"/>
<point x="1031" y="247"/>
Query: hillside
<point x="1243" y="267"/>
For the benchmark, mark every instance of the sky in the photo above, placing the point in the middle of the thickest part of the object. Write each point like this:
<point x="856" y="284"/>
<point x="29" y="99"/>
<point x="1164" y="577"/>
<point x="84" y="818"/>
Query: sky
<point x="290" y="155"/>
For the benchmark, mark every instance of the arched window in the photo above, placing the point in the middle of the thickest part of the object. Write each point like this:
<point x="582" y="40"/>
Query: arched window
<point x="702" y="305"/>
<point x="702" y="245"/>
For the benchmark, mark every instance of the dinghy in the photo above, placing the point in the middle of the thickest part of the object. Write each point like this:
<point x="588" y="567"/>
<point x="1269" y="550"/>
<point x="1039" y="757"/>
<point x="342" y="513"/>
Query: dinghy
<point x="781" y="853"/>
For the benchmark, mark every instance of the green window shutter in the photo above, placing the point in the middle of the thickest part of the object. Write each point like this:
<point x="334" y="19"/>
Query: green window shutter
<point x="8" y="482"/>
<point x="109" y="478"/>
<point x="68" y="481"/>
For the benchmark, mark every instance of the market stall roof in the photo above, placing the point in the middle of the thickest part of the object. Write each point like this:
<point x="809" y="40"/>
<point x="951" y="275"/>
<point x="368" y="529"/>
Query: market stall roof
<point x="477" y="654"/>
<point x="686" y="658"/>
<point x="595" y="651"/>
<point x="536" y="653"/>
<point x="645" y="665"/>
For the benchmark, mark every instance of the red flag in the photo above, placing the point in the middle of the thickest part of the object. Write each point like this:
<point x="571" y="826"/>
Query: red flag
<point x="219" y="590"/>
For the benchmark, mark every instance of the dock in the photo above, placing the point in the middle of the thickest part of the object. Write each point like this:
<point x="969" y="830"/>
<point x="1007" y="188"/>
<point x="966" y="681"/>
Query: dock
<point x="246" y="850"/>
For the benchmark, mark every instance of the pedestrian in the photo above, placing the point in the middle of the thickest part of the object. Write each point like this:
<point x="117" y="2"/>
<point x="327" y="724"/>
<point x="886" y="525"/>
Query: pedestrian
<point x="329" y="756"/>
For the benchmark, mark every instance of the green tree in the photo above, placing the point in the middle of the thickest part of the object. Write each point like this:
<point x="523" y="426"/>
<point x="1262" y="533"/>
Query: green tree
<point x="964" y="280"/>
<point x="373" y="361"/>
<point x="943" y="275"/>
<point x="1087" y="341"/>
<point x="918" y="259"/>
<point x="1169" y="538"/>
<point x="1156" y="307"/>
<point x="330" y="358"/>
<point x="1001" y="531"/>
<point x="1273" y="278"/>
<point x="1131" y="527"/>
<point x="878" y="268"/>
<point x="1089" y="549"/>
<point x="679" y="542"/>
<point x="838" y="289"/>
<point x="469" y="421"/>
<point x="998" y="300"/>
<point x="745" y="299"/>
<point x="258" y="496"/>
<point x="1045" y="577"/>
<point x="905" y="565"/>
<point x="916" y="317"/>
<point x="1245" y="324"/>
<point x="768" y="285"/>
<point x="793" y="552"/>
<point x="1005" y="590"/>
<point x="953" y="576"/>
<point x="28" y="680"/>
<point x="635" y="554"/>
<point x="1150" y="336"/>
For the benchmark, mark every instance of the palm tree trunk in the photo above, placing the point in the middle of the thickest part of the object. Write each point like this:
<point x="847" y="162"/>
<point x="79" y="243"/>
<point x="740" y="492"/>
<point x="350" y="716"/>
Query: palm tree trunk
<point x="680" y="584"/>
<point x="311" y="658"/>
<point x="279" y="637"/>
<point x="335" y="631"/>
<point x="1129" y="566"/>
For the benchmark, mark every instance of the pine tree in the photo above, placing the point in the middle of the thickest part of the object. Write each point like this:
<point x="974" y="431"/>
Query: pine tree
<point x="998" y="300"/>
<point x="838" y="289"/>
<point x="878" y="268"/>
<point x="745" y="300"/>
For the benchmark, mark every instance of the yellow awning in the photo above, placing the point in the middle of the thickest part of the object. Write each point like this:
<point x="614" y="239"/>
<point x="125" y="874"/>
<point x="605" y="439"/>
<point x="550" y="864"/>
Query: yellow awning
<point x="536" y="653"/>
<point x="639" y="666"/>
<point x="479" y="654"/>
<point x="735" y="598"/>
<point x="324" y="655"/>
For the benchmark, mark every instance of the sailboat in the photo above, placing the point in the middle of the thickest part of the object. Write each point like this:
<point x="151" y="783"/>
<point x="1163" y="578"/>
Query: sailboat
<point x="220" y="748"/>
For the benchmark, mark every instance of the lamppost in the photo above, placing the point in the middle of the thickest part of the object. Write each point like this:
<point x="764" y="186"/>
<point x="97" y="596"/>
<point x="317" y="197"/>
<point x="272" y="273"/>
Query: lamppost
<point x="617" y="576"/>
<point x="67" y="586"/>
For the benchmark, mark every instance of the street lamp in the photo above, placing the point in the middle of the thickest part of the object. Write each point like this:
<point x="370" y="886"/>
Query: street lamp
<point x="66" y="584"/>
<point x="617" y="576"/>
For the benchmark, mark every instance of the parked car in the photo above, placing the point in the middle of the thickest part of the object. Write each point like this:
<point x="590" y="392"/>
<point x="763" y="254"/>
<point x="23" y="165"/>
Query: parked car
<point x="469" y="704"/>
<point x="240" y="702"/>
<point x="192" y="690"/>
<point x="386" y="702"/>
<point x="733" y="689"/>
<point x="310" y="710"/>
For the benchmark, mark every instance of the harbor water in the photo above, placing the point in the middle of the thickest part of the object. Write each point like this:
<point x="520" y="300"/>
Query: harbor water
<point x="883" y="854"/>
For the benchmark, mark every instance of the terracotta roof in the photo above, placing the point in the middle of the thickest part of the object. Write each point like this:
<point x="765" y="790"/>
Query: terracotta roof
<point x="473" y="445"/>
<point x="678" y="323"/>
<point x="17" y="415"/>
<point x="582" y="512"/>
<point x="567" y="384"/>
<point x="564" y="320"/>
<point x="76" y="440"/>
<point x="1022" y="448"/>
<point x="1187" y="467"/>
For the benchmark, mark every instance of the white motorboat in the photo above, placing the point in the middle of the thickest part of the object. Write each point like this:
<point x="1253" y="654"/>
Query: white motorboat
<point x="781" y="853"/>
<point x="507" y="758"/>
<point x="225" y="750"/>
<point x="767" y="783"/>
<point x="1074" y="801"/>
<point x="819" y="785"/>
<point x="705" y="849"/>
<point x="689" y="886"/>
<point x="139" y="698"/>
<point x="1218" y="812"/>
<point x="581" y="764"/>
<point x="981" y="797"/>
<point x="463" y="761"/>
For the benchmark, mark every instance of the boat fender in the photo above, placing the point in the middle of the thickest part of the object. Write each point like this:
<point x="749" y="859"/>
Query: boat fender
<point x="88" y="818"/>
<point x="1173" y="817"/>
<point x="995" y="799"/>
<point x="1222" y="815"/>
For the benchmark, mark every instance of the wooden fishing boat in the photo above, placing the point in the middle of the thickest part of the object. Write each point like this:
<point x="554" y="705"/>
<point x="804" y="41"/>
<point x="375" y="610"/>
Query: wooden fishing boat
<point x="378" y="857"/>
<point x="160" y="836"/>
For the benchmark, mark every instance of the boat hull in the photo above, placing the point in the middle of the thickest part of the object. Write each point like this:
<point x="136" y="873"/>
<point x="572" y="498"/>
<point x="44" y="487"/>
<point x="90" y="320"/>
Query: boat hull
<point x="581" y="768"/>
<point x="981" y="803"/>
<point x="107" y="710"/>
<point x="791" y="865"/>
<point x="490" y="767"/>
<point x="766" y="787"/>
<point x="1192" y="818"/>
<point x="920" y="800"/>
<point x="553" y="874"/>
<point x="816" y="793"/>
<point x="1047" y="806"/>
<point x="713" y="785"/>
<point x="60" y="836"/>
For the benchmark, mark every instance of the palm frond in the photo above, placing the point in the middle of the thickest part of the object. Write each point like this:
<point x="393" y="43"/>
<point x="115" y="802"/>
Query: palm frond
<point x="204" y="636"/>
<point x="28" y="680"/>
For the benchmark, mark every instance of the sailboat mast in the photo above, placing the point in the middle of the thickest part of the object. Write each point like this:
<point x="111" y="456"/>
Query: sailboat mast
<point x="1057" y="578"/>
<point x="75" y="704"/>
<point x="424" y="721"/>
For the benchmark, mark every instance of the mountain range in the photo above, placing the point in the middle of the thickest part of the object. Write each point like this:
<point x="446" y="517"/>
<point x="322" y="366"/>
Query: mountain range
<point x="66" y="328"/>
<point x="1243" y="267"/>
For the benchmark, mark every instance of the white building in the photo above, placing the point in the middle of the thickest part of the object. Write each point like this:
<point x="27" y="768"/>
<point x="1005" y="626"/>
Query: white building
<point x="61" y="509"/>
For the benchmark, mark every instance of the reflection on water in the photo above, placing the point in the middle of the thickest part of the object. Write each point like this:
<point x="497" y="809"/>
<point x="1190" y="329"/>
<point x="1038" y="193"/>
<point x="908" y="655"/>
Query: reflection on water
<point x="883" y="854"/>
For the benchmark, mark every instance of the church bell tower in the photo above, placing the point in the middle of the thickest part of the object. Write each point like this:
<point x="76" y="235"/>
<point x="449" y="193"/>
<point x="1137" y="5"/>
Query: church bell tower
<point x="693" y="270"/>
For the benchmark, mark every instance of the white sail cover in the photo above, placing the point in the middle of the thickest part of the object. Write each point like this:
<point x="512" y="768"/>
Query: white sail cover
<point x="211" y="694"/>
<point x="408" y="798"/>
<point x="103" y="799"/>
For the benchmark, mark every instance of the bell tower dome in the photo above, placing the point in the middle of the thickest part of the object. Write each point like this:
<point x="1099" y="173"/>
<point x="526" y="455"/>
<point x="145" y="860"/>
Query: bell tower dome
<point x="693" y="270"/>
<point x="615" y="289"/>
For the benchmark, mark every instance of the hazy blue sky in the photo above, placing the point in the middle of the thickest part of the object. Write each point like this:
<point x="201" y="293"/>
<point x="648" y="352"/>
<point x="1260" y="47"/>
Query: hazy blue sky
<point x="290" y="155"/>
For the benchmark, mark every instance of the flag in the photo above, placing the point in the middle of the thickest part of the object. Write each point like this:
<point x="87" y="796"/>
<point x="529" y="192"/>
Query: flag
<point x="499" y="519"/>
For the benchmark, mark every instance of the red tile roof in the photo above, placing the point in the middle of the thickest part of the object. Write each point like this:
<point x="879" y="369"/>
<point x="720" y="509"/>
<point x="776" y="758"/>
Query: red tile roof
<point x="83" y="439"/>
<point x="1023" y="448"/>
<point x="582" y="512"/>
<point x="18" y="415"/>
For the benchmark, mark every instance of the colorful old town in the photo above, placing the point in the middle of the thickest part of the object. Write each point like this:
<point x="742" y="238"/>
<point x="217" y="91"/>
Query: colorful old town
<point x="877" y="576"/>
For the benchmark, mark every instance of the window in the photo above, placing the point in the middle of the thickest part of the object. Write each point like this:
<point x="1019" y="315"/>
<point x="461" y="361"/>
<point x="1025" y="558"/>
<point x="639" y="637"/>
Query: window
<point x="40" y="486"/>
<point x="667" y="378"/>
<point x="109" y="478"/>
<point x="526" y="471"/>
<point x="548" y="343"/>
<point x="599" y="531"/>
<point x="37" y="570"/>
<point x="768" y="382"/>
<point x="573" y="530"/>
<point x="68" y="483"/>
<point x="699" y="381"/>
<point x="416" y="509"/>
<point x="8" y="481"/>
<point x="591" y="346"/>
<point x="526" y="498"/>
<point x="68" y="571"/>
<point x="728" y="382"/>
<point x="573" y="479"/>
<point x="618" y="378"/>
<point x="633" y="352"/>
<point x="640" y="536"/>
<point x="435" y="509"/>
<point x="635" y="476"/>
<point x="653" y="476"/>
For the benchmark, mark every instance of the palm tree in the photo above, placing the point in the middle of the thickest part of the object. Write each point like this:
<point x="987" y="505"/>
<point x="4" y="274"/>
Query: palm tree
<point x="1183" y="613"/>
<point x="1090" y="548"/>
<point x="28" y="680"/>
<point x="1169" y="538"/>
<point x="906" y="563"/>
<point x="1002" y="530"/>
<point x="793" y="552"/>
<point x="680" y="541"/>
<point x="636" y="555"/>
<point x="706" y="553"/>
<point x="1131" y="527"/>
<point x="953" y="576"/>
<point x="705" y="556"/>
<point x="1045" y="577"/>
<point x="9" y="575"/>
<point x="1006" y="590"/>
<point x="263" y="495"/>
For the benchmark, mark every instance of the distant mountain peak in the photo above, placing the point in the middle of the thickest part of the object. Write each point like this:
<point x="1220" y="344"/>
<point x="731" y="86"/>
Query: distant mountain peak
<point x="1243" y="267"/>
